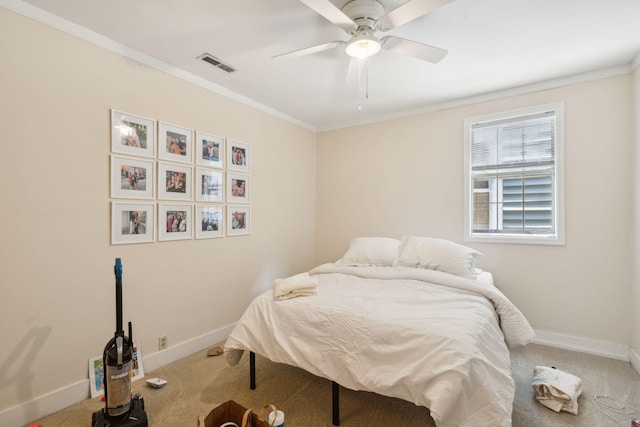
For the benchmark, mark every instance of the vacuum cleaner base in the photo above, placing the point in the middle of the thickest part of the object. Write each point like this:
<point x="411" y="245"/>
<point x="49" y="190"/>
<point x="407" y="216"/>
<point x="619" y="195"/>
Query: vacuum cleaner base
<point x="136" y="417"/>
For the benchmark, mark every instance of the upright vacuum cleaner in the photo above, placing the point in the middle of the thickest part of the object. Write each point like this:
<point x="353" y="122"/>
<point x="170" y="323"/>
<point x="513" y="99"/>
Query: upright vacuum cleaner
<point x="121" y="409"/>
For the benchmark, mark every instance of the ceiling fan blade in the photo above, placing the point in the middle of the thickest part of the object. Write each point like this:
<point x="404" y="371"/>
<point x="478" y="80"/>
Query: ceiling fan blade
<point x="409" y="11"/>
<point x="415" y="49"/>
<point x="330" y="12"/>
<point x="310" y="50"/>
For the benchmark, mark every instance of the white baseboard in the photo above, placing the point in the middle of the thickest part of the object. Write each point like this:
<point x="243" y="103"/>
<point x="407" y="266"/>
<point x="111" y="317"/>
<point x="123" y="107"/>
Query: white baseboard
<point x="21" y="415"/>
<point x="42" y="406"/>
<point x="184" y="349"/>
<point x="584" y="345"/>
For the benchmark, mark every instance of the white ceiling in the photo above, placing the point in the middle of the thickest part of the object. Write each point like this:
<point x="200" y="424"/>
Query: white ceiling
<point x="493" y="45"/>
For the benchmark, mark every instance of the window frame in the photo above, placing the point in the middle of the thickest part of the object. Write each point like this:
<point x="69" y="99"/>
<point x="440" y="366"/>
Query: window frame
<point x="558" y="197"/>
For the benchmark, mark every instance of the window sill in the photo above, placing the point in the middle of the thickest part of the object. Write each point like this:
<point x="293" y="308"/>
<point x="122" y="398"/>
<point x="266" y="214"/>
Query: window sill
<point x="516" y="240"/>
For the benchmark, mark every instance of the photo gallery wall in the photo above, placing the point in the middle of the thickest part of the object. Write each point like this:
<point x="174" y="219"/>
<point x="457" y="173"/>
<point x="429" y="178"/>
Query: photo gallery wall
<point x="175" y="183"/>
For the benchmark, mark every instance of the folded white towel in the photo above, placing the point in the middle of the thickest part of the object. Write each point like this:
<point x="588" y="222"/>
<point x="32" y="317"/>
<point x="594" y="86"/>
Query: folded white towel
<point x="299" y="285"/>
<point x="557" y="390"/>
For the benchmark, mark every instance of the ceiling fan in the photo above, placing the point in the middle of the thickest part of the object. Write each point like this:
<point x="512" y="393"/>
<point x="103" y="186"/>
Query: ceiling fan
<point x="361" y="19"/>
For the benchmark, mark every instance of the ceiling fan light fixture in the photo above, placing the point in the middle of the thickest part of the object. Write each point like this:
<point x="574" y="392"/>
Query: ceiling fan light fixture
<point x="363" y="46"/>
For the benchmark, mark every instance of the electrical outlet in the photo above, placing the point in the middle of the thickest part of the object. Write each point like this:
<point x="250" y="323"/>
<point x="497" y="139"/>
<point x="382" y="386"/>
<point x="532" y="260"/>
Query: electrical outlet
<point x="163" y="342"/>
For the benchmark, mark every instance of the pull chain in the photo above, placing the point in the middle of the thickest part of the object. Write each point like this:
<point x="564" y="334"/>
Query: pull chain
<point x="363" y="82"/>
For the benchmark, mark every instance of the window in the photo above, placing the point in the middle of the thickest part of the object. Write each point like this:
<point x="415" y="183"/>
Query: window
<point x="514" y="176"/>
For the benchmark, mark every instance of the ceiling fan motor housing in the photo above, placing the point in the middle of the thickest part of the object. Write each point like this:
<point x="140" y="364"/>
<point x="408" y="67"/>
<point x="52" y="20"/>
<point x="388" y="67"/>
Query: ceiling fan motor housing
<point x="364" y="13"/>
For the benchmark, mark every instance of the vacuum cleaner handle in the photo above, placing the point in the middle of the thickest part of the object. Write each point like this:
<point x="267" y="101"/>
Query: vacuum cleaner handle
<point x="117" y="269"/>
<point x="119" y="334"/>
<point x="118" y="272"/>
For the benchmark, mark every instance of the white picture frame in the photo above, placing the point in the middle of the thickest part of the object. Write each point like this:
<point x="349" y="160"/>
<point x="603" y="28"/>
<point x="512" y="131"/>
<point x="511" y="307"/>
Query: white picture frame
<point x="133" y="135"/>
<point x="209" y="221"/>
<point x="238" y="187"/>
<point x="210" y="150"/>
<point x="96" y="376"/>
<point x="175" y="222"/>
<point x="138" y="369"/>
<point x="209" y="185"/>
<point x="238" y="156"/>
<point x="132" y="223"/>
<point x="132" y="178"/>
<point x="175" y="143"/>
<point x="175" y="182"/>
<point x="238" y="220"/>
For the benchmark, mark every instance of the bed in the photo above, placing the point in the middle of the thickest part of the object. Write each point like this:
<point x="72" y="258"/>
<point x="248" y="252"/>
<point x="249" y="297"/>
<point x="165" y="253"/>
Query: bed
<point x="411" y="318"/>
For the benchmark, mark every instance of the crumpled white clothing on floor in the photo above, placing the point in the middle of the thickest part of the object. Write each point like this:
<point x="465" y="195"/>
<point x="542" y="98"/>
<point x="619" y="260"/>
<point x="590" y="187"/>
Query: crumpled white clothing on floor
<point x="557" y="390"/>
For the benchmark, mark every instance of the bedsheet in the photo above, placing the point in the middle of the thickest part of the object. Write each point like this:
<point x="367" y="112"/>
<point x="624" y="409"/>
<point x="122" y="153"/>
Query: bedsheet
<point x="434" y="339"/>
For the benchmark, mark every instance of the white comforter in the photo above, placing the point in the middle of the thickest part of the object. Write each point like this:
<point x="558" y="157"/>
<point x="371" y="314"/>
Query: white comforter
<point x="424" y="336"/>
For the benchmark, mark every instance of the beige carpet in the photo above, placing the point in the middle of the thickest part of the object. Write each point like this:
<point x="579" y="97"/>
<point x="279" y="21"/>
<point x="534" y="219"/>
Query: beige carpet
<point x="198" y="383"/>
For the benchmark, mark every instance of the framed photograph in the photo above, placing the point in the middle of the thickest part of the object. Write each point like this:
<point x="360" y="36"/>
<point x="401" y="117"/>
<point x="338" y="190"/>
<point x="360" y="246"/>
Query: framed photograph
<point x="132" y="134"/>
<point x="175" y="182"/>
<point x="138" y="369"/>
<point x="209" y="221"/>
<point x="132" y="178"/>
<point x="96" y="376"/>
<point x="209" y="185"/>
<point x="238" y="156"/>
<point x="209" y="150"/>
<point x="175" y="222"/>
<point x="96" y="371"/>
<point x="175" y="143"/>
<point x="132" y="223"/>
<point x="238" y="220"/>
<point x="237" y="188"/>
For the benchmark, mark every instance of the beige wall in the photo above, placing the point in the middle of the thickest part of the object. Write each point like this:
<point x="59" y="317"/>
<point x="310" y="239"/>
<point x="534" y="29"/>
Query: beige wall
<point x="406" y="177"/>
<point x="57" y="284"/>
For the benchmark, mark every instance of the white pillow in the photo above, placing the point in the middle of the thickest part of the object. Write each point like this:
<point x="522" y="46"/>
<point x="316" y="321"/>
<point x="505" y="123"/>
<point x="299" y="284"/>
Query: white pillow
<point x="365" y="251"/>
<point x="438" y="254"/>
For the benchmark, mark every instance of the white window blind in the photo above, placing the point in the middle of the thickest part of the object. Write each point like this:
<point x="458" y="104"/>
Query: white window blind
<point x="512" y="174"/>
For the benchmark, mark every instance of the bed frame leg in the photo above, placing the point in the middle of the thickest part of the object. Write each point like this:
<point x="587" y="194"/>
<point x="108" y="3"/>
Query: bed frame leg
<point x="335" y="394"/>
<point x="252" y="370"/>
<point x="335" y="389"/>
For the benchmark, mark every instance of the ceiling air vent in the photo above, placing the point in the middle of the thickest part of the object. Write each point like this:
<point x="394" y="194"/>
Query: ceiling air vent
<point x="216" y="62"/>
